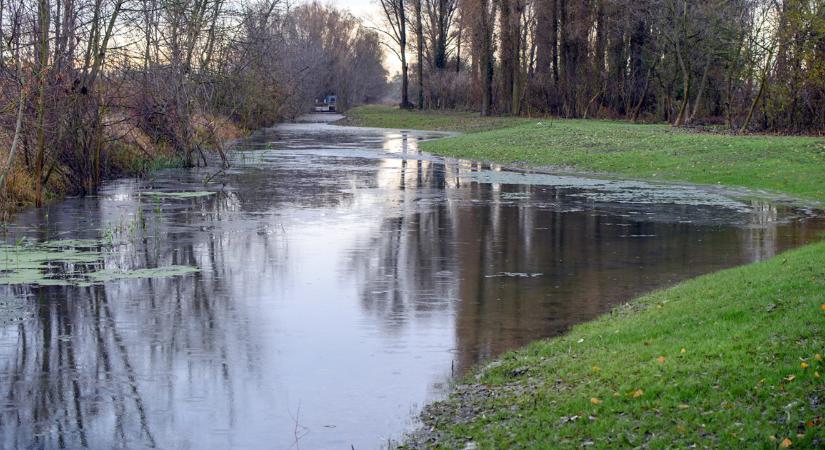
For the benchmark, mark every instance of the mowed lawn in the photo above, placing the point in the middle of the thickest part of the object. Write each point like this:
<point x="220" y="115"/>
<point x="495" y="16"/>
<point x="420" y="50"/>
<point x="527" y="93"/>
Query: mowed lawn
<point x="391" y="117"/>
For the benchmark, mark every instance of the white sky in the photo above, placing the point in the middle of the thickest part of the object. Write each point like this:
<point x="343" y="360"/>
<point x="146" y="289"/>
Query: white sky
<point x="369" y="11"/>
<point x="361" y="8"/>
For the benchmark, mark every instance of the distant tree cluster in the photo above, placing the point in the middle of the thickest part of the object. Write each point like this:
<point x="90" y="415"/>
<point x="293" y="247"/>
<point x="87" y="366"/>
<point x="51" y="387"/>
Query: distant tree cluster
<point x="744" y="64"/>
<point x="92" y="87"/>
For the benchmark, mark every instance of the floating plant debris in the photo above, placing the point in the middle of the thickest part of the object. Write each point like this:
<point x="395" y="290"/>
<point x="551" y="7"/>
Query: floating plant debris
<point x="179" y="195"/>
<point x="514" y="275"/>
<point x="69" y="263"/>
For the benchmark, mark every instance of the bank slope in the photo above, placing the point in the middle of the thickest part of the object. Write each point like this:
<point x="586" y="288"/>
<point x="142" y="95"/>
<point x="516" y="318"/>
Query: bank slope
<point x="720" y="361"/>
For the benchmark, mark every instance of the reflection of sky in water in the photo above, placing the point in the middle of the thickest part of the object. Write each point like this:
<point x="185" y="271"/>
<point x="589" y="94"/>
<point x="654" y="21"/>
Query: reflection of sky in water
<point x="343" y="275"/>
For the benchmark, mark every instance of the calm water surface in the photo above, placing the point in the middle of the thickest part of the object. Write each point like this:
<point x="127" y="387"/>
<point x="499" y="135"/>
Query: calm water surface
<point x="343" y="276"/>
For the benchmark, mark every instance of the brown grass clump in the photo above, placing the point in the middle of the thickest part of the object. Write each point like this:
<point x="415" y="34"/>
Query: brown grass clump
<point x="212" y="130"/>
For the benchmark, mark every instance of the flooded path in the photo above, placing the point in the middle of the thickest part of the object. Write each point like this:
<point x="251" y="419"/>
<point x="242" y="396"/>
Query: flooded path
<point x="325" y="288"/>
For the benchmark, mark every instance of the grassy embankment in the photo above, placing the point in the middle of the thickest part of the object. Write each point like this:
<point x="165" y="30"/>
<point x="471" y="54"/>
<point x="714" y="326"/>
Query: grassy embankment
<point x="725" y="360"/>
<point x="789" y="164"/>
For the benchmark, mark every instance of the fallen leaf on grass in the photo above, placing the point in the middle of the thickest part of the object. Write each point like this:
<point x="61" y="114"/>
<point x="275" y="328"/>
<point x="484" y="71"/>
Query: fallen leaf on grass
<point x="567" y="419"/>
<point x="661" y="359"/>
<point x="818" y="357"/>
<point x="637" y="393"/>
<point x="790" y="378"/>
<point x="804" y="365"/>
<point x="596" y="401"/>
<point x="786" y="443"/>
<point x="682" y="350"/>
<point x="683" y="406"/>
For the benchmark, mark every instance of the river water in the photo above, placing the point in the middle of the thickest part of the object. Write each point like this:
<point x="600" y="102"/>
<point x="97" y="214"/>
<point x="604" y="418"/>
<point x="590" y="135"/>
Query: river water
<point x="337" y="278"/>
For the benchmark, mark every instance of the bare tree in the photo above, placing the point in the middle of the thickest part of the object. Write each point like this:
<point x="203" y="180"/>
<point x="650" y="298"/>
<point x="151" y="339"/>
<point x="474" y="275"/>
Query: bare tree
<point x="395" y="14"/>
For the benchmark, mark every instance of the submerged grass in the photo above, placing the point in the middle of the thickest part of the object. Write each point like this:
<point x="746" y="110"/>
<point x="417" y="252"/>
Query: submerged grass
<point x="726" y="360"/>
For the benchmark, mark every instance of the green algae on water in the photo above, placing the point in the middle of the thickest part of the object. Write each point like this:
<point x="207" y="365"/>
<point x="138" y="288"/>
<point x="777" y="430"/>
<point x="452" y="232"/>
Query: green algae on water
<point x="45" y="264"/>
<point x="73" y="243"/>
<point x="68" y="263"/>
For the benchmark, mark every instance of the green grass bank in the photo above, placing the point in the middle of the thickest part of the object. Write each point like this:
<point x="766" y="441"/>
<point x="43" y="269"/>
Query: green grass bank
<point x="789" y="164"/>
<point x="731" y="359"/>
<point x="727" y="360"/>
<point x="391" y="117"/>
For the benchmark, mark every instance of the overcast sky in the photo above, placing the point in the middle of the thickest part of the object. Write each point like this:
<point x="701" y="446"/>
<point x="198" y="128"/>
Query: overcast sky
<point x="367" y="10"/>
<point x="361" y="8"/>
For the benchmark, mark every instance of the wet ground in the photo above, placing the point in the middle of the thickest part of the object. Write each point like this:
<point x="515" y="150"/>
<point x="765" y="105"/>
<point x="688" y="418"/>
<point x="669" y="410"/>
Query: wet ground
<point x="325" y="288"/>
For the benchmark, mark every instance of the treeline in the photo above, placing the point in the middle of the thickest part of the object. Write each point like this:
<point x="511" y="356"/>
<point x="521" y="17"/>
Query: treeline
<point x="97" y="88"/>
<point x="740" y="64"/>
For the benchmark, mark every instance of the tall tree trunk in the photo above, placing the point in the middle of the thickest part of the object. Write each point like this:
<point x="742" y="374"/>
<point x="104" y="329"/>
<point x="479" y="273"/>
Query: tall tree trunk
<point x="486" y="18"/>
<point x="698" y="102"/>
<point x="639" y="70"/>
<point x="554" y="38"/>
<point x="544" y="39"/>
<point x="507" y="48"/>
<point x="681" y="117"/>
<point x="419" y="30"/>
<point x="600" y="44"/>
<point x="458" y="47"/>
<point x="441" y="22"/>
<point x="638" y="109"/>
<point x="17" y="128"/>
<point x="405" y="70"/>
<point x="43" y="53"/>
<point x="759" y="94"/>
<point x="517" y="57"/>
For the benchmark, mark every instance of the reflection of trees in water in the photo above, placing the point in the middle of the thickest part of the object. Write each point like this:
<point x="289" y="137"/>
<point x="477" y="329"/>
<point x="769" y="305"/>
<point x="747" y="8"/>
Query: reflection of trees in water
<point x="111" y="365"/>
<point x="589" y="262"/>
<point x="449" y="249"/>
<point x="71" y="367"/>
<point x="405" y="266"/>
<point x="94" y="357"/>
